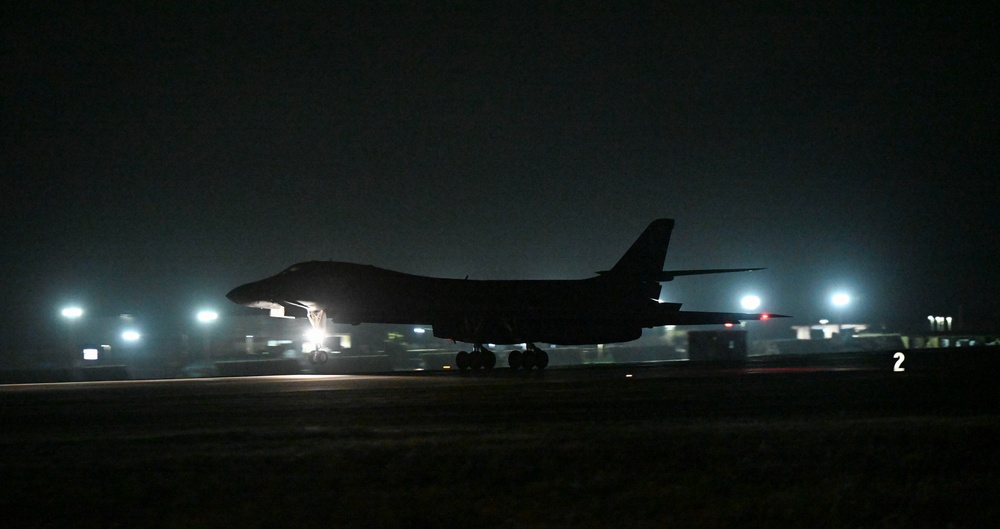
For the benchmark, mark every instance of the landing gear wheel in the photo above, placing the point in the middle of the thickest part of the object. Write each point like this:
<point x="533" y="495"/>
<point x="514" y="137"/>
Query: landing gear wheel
<point x="463" y="360"/>
<point x="475" y="359"/>
<point x="514" y="359"/>
<point x="489" y="360"/>
<point x="541" y="359"/>
<point x="318" y="357"/>
<point x="528" y="360"/>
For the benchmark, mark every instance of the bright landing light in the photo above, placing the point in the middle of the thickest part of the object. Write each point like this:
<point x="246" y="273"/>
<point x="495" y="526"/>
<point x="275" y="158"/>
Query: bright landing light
<point x="206" y="316"/>
<point x="130" y="336"/>
<point x="316" y="336"/>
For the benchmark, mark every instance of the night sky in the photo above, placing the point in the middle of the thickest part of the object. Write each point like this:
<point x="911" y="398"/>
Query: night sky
<point x="155" y="156"/>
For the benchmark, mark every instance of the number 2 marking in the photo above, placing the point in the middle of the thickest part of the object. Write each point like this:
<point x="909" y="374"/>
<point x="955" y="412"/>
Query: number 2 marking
<point x="899" y="362"/>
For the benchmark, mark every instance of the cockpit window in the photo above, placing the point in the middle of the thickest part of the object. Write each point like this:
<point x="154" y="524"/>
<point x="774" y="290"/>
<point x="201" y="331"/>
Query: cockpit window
<point x="307" y="267"/>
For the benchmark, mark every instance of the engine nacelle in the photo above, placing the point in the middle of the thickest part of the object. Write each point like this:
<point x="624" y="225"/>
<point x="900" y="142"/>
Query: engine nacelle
<point x="559" y="332"/>
<point x="588" y="333"/>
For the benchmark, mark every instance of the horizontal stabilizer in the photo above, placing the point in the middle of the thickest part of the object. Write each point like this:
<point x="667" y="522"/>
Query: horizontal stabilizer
<point x="712" y="318"/>
<point x="669" y="275"/>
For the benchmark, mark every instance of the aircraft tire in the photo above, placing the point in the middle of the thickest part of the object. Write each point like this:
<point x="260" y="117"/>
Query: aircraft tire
<point x="489" y="360"/>
<point x="475" y="360"/>
<point x="541" y="359"/>
<point x="514" y="359"/>
<point x="462" y="360"/>
<point x="528" y="360"/>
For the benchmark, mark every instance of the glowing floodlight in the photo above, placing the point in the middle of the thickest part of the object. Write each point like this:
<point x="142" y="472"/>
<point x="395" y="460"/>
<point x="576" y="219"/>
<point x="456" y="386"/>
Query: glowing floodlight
<point x="750" y="302"/>
<point x="840" y="299"/>
<point x="72" y="312"/>
<point x="207" y="316"/>
<point x="131" y="336"/>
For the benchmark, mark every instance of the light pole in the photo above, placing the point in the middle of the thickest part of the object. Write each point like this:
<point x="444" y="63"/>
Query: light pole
<point x="130" y="343"/>
<point x="207" y="318"/>
<point x="840" y="301"/>
<point x="72" y="314"/>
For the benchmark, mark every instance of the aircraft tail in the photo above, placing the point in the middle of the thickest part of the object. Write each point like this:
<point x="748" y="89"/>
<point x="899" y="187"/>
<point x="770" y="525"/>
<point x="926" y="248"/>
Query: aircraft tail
<point x="644" y="259"/>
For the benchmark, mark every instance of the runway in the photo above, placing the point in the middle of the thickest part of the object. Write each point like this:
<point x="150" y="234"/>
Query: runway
<point x="820" y="445"/>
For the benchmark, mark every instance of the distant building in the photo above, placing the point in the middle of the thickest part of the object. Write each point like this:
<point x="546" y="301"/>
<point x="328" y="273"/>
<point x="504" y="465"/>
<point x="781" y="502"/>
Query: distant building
<point x="825" y="331"/>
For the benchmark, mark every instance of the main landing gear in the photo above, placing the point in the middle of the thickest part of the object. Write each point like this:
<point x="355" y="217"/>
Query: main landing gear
<point x="482" y="358"/>
<point x="531" y="357"/>
<point x="479" y="358"/>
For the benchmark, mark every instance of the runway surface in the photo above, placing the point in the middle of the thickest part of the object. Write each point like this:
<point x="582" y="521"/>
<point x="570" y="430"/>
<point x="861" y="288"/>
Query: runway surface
<point x="834" y="444"/>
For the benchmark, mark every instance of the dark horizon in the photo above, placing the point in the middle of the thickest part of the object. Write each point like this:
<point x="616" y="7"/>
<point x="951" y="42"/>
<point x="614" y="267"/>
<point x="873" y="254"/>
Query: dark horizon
<point x="159" y="156"/>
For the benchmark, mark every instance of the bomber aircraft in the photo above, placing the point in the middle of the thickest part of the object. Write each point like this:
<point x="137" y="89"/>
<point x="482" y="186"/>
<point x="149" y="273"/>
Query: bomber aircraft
<point x="613" y="306"/>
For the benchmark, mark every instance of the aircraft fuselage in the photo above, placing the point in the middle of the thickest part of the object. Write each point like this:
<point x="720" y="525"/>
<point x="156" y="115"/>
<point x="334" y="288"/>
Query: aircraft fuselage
<point x="479" y="311"/>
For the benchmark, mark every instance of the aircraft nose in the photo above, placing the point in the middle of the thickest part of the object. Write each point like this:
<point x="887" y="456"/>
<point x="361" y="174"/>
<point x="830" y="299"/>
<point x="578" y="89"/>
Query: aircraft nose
<point x="242" y="295"/>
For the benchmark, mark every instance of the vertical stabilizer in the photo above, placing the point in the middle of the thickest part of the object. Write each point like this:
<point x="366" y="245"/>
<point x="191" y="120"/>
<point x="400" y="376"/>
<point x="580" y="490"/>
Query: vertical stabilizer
<point x="645" y="258"/>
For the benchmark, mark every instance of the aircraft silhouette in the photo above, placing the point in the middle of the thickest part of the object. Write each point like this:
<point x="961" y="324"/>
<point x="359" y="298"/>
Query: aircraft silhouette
<point x="612" y="307"/>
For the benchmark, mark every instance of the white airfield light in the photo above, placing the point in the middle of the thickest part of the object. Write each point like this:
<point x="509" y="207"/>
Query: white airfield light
<point x="131" y="336"/>
<point x="72" y="312"/>
<point x="940" y="323"/>
<point x="750" y="302"/>
<point x="207" y="316"/>
<point x="841" y="299"/>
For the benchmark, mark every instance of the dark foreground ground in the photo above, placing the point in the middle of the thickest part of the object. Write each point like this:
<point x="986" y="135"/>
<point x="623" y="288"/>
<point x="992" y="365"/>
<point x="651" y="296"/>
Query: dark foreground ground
<point x="774" y="444"/>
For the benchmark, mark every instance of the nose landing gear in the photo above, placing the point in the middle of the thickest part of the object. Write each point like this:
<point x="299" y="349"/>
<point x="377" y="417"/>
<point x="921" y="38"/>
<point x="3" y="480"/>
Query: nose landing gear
<point x="318" y="357"/>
